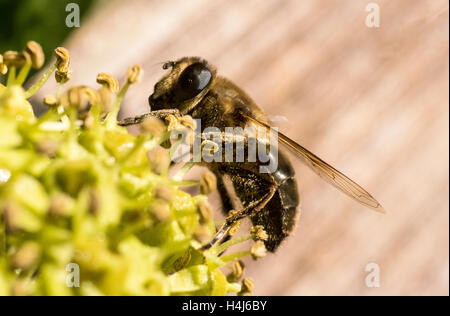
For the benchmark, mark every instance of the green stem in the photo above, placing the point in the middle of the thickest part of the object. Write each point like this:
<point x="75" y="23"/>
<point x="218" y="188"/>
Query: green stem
<point x="235" y="256"/>
<point x="72" y="115"/>
<point x="23" y="74"/>
<point x="186" y="167"/>
<point x="59" y="91"/>
<point x="183" y="170"/>
<point x="139" y="143"/>
<point x="11" y="76"/>
<point x="234" y="241"/>
<point x="2" y="238"/>
<point x="34" y="88"/>
<point x="111" y="118"/>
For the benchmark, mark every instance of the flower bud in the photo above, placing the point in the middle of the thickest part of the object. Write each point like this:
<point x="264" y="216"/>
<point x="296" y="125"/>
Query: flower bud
<point x="61" y="204"/>
<point x="26" y="257"/>
<point x="79" y="97"/>
<point x="22" y="287"/>
<point x="10" y="216"/>
<point x="48" y="147"/>
<point x="258" y="233"/>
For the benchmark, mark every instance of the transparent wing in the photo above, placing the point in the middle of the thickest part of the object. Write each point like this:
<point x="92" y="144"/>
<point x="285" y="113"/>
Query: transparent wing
<point x="325" y="171"/>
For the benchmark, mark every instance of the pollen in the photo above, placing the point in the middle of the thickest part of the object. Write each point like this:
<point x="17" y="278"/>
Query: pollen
<point x="247" y="287"/>
<point x="258" y="233"/>
<point x="258" y="250"/>
<point x="108" y="81"/>
<point x="237" y="272"/>
<point x="235" y="226"/>
<point x="35" y="54"/>
<point x="134" y="74"/>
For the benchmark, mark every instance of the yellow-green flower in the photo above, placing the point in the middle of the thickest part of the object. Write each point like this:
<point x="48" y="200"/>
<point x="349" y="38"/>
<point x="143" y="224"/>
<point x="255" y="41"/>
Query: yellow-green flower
<point x="79" y="194"/>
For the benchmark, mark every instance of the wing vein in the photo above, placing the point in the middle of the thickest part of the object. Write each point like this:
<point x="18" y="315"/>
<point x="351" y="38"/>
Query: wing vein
<point x="325" y="171"/>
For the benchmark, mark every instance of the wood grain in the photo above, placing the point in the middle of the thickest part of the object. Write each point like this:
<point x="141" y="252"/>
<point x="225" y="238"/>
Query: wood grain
<point x="371" y="101"/>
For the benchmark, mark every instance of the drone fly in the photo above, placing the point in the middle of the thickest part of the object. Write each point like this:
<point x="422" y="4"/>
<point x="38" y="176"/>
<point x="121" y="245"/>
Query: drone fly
<point x="268" y="199"/>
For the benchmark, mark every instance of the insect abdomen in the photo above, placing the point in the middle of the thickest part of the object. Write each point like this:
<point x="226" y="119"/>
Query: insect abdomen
<point x="280" y="214"/>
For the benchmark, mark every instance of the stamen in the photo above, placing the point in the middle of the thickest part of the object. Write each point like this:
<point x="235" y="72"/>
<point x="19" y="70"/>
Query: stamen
<point x="160" y="211"/>
<point x="205" y="212"/>
<point x="153" y="126"/>
<point x="237" y="272"/>
<point x="164" y="193"/>
<point x="35" y="88"/>
<point x="108" y="81"/>
<point x="35" y="54"/>
<point x="208" y="183"/>
<point x="3" y="67"/>
<point x="202" y="234"/>
<point x="247" y="287"/>
<point x="134" y="74"/>
<point x="14" y="59"/>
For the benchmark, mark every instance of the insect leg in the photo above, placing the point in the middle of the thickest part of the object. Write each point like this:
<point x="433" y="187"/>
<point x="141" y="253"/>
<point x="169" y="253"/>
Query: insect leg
<point x="250" y="209"/>
<point x="253" y="207"/>
<point x="161" y="114"/>
<point x="224" y="195"/>
<point x="221" y="233"/>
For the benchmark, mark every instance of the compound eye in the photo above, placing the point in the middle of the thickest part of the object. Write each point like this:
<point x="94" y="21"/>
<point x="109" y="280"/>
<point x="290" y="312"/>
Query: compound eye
<point x="193" y="80"/>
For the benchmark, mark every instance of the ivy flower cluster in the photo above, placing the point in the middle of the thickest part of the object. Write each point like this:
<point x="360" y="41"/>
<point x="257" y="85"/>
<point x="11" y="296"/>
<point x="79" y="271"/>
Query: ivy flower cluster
<point x="78" y="189"/>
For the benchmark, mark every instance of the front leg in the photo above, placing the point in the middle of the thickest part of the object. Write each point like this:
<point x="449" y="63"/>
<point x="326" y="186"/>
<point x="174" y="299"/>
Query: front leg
<point x="161" y="114"/>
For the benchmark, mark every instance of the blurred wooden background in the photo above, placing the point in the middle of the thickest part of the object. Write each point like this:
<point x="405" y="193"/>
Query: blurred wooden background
<point x="374" y="102"/>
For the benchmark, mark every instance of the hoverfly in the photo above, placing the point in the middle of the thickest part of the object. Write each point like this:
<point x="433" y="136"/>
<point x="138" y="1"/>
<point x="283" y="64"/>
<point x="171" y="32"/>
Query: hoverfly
<point x="269" y="199"/>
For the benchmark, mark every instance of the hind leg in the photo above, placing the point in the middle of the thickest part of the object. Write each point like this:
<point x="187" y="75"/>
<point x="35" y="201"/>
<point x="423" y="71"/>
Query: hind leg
<point x="251" y="209"/>
<point x="227" y="205"/>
